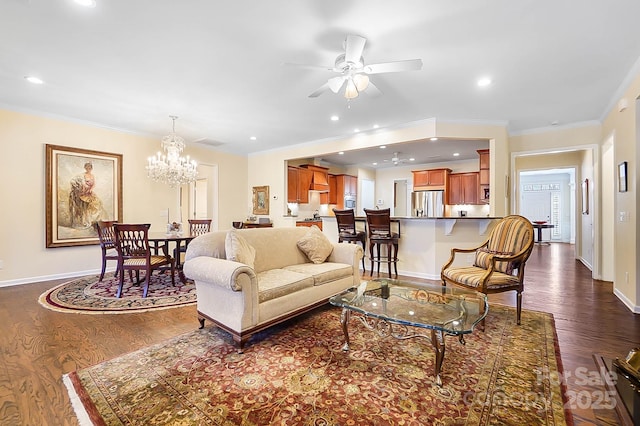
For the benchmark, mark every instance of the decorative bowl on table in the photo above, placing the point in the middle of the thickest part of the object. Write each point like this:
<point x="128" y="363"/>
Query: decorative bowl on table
<point x="539" y="222"/>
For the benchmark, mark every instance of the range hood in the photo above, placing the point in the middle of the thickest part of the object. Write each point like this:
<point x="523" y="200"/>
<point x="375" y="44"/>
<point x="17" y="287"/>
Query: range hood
<point x="320" y="178"/>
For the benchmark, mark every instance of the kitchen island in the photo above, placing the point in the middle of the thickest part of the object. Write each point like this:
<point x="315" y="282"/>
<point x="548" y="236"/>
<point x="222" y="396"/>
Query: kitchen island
<point x="425" y="242"/>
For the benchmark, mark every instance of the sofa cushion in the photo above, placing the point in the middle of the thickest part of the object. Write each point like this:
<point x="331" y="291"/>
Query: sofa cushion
<point x="275" y="283"/>
<point x="315" y="245"/>
<point x="324" y="272"/>
<point x="238" y="249"/>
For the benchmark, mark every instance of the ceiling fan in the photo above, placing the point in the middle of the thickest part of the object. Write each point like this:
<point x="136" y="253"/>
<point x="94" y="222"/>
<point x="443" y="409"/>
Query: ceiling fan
<point x="397" y="160"/>
<point x="353" y="73"/>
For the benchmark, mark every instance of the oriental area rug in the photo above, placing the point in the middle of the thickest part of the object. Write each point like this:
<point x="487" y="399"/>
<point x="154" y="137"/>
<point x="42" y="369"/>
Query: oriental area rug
<point x="87" y="295"/>
<point x="296" y="374"/>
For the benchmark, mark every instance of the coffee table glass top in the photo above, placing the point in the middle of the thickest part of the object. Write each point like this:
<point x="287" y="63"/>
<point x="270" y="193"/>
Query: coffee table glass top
<point x="448" y="309"/>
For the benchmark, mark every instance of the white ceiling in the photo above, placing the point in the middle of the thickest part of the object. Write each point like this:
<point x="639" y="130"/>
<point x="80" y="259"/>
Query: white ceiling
<point x="219" y="66"/>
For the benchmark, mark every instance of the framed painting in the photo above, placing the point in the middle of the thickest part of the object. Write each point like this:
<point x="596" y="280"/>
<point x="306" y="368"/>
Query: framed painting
<point x="622" y="177"/>
<point x="260" y="200"/>
<point x="82" y="187"/>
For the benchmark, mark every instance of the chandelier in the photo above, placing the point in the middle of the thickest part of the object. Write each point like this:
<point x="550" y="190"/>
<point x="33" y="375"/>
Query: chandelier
<point x="171" y="168"/>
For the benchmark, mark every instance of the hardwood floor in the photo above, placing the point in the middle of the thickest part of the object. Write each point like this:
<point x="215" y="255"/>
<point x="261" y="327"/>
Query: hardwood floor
<point x="38" y="346"/>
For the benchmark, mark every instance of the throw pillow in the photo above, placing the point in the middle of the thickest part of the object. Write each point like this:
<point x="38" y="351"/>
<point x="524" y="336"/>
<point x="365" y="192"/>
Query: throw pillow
<point x="483" y="260"/>
<point x="315" y="245"/>
<point x="238" y="249"/>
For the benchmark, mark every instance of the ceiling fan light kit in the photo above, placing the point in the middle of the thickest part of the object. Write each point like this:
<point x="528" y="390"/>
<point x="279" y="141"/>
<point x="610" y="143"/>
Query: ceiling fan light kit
<point x="354" y="74"/>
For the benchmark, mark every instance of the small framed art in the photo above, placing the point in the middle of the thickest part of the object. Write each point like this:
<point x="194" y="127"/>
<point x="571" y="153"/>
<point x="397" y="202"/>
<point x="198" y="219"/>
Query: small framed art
<point x="622" y="177"/>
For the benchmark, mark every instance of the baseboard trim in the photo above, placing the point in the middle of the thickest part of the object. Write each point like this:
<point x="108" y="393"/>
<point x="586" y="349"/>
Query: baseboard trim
<point x="30" y="280"/>
<point x="628" y="303"/>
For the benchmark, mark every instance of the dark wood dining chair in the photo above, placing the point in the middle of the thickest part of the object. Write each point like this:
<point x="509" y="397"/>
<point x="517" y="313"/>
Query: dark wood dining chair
<point x="134" y="254"/>
<point x="347" y="231"/>
<point x="380" y="234"/>
<point x="107" y="243"/>
<point x="196" y="227"/>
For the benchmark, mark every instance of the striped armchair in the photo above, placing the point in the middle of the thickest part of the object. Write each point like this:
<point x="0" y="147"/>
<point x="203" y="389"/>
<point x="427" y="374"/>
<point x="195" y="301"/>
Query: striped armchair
<point x="499" y="261"/>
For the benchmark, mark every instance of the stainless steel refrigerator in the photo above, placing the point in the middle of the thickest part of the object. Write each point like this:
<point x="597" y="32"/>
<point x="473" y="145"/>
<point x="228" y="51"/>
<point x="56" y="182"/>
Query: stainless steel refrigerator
<point x="427" y="203"/>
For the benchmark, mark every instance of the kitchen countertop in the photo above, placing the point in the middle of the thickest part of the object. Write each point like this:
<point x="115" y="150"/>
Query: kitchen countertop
<point x="425" y="217"/>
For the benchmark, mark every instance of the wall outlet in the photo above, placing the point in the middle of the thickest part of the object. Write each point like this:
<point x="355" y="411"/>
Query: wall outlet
<point x="380" y="202"/>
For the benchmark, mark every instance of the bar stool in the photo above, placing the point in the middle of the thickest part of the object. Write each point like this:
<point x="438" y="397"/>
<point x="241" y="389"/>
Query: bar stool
<point x="379" y="232"/>
<point x="347" y="230"/>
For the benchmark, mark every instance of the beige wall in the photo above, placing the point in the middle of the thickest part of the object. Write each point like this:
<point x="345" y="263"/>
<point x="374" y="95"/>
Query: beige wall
<point x="22" y="228"/>
<point x="622" y="126"/>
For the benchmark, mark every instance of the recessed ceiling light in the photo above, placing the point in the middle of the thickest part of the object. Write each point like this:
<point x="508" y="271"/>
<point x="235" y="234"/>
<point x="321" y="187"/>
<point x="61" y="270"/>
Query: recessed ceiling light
<point x="335" y="118"/>
<point x="383" y="146"/>
<point x="484" y="82"/>
<point x="554" y="123"/>
<point x="375" y="126"/>
<point x="86" y="3"/>
<point x="434" y="139"/>
<point x="341" y="153"/>
<point x="253" y="138"/>
<point x="375" y="164"/>
<point x="356" y="130"/>
<point x="455" y="154"/>
<point x="412" y="159"/>
<point x="34" y="80"/>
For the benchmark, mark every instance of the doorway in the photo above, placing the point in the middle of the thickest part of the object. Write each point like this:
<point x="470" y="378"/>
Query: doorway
<point x="199" y="200"/>
<point x="549" y="195"/>
<point x="400" y="198"/>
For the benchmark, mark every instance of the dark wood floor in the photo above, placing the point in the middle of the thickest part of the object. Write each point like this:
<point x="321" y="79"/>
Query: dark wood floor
<point x="37" y="346"/>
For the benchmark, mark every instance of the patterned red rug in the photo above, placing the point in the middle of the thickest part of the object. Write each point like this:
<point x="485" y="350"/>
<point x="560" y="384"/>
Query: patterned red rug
<point x="89" y="296"/>
<point x="296" y="374"/>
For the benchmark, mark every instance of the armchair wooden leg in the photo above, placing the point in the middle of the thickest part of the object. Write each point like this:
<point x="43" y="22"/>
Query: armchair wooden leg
<point x="519" y="306"/>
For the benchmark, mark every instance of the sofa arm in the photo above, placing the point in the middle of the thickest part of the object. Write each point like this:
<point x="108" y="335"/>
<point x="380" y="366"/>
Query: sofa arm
<point x="347" y="253"/>
<point x="225" y="273"/>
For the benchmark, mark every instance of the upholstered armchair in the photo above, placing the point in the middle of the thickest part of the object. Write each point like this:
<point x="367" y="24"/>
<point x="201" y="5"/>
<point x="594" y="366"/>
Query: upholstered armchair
<point x="499" y="261"/>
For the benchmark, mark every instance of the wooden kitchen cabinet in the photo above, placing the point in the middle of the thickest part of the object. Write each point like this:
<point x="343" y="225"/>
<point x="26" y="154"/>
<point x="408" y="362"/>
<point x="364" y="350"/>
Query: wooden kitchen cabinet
<point x="484" y="179"/>
<point x="433" y="179"/>
<point x="330" y="197"/>
<point x="463" y="188"/>
<point x="346" y="186"/>
<point x="298" y="183"/>
<point x="310" y="223"/>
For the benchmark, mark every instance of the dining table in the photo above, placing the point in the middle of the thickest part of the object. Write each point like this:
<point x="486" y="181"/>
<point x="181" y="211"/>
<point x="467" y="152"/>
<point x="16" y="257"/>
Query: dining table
<point x="158" y="239"/>
<point x="540" y="226"/>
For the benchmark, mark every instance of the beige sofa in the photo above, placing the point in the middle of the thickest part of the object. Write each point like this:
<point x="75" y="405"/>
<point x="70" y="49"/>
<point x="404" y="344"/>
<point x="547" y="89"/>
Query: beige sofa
<point x="282" y="282"/>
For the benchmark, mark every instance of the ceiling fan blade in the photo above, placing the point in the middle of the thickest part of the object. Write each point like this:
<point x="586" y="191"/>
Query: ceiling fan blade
<point x="353" y="48"/>
<point x="320" y="91"/>
<point x="408" y="65"/>
<point x="336" y="83"/>
<point x="372" y="90"/>
<point x="308" y="66"/>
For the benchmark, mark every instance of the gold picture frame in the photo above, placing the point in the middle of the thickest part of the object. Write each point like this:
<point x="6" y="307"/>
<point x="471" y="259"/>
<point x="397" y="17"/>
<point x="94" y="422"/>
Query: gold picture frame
<point x="82" y="187"/>
<point x="261" y="200"/>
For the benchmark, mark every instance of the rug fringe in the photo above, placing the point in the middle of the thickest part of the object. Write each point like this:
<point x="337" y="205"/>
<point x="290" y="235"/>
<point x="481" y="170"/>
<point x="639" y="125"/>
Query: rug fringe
<point x="76" y="403"/>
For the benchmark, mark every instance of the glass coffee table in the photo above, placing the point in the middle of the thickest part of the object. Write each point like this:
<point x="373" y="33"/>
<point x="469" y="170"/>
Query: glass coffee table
<point x="401" y="309"/>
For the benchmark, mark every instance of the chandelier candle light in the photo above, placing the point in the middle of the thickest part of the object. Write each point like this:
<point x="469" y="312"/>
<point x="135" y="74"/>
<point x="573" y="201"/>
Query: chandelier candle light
<point x="171" y="168"/>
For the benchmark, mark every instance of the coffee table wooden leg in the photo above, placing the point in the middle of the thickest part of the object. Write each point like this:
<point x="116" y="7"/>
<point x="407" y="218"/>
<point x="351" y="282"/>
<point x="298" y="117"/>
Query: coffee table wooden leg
<point x="437" y="340"/>
<point x="344" y="320"/>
